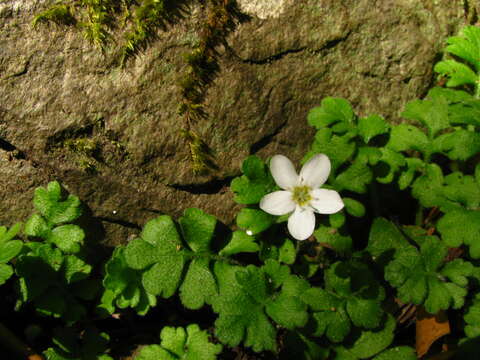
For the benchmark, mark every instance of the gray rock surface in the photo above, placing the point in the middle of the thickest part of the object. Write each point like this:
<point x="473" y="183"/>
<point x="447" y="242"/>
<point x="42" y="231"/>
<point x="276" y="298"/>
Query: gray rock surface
<point x="111" y="135"/>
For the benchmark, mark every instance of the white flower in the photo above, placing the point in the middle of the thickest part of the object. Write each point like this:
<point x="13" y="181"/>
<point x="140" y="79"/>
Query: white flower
<point x="302" y="195"/>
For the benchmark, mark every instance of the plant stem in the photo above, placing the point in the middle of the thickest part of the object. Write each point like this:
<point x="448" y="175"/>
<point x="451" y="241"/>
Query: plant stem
<point x="419" y="216"/>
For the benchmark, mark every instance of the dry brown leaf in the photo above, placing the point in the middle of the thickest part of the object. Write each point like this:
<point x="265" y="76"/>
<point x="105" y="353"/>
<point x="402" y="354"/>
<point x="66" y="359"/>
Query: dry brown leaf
<point x="429" y="328"/>
<point x="35" y="357"/>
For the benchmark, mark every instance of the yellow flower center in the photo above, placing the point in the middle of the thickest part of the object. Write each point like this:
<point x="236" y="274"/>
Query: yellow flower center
<point x="301" y="195"/>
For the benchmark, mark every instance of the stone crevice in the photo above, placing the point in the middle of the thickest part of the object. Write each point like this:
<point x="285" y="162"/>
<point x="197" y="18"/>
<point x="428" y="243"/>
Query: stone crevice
<point x="214" y="186"/>
<point x="120" y="222"/>
<point x="11" y="149"/>
<point x="274" y="57"/>
<point x="330" y="44"/>
<point x="7" y="146"/>
<point x="267" y="139"/>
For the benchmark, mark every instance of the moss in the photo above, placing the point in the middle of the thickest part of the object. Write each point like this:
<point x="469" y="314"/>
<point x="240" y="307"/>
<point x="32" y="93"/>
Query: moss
<point x="82" y="146"/>
<point x="59" y="14"/>
<point x="142" y="19"/>
<point x="85" y="152"/>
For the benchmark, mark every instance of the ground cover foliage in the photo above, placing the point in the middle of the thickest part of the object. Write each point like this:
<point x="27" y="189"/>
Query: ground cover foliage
<point x="409" y="233"/>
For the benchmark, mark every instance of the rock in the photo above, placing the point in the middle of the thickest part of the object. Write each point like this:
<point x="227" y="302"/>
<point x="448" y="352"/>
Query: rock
<point x="112" y="135"/>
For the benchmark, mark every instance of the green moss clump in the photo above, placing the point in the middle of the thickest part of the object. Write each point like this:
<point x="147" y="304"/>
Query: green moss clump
<point x="85" y="150"/>
<point x="84" y="146"/>
<point x="59" y="14"/>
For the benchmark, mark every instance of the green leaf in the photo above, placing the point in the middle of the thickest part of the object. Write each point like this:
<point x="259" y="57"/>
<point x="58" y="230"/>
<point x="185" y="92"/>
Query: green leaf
<point x="247" y="295"/>
<point x="405" y="137"/>
<point x="461" y="226"/>
<point x="351" y="295"/>
<point x="298" y="346"/>
<point x="466" y="112"/>
<point x="371" y="342"/>
<point x="254" y="220"/>
<point x="451" y="95"/>
<point x="56" y="354"/>
<point x="337" y="220"/>
<point x="331" y="110"/>
<point x="117" y="273"/>
<point x="364" y="313"/>
<point x="160" y="256"/>
<point x="428" y="187"/>
<point x="394" y="160"/>
<point x="457" y="271"/>
<point x="240" y="242"/>
<point x="339" y="149"/>
<point x="124" y="286"/>
<point x="287" y="309"/>
<point x="355" y="178"/>
<point x="68" y="238"/>
<point x="199" y="285"/>
<point x="330" y="316"/>
<point x="472" y="319"/>
<point x="419" y="279"/>
<point x="94" y="343"/>
<point x="153" y="352"/>
<point x="6" y="236"/>
<point x="37" y="226"/>
<point x="35" y="276"/>
<point x="433" y="114"/>
<point x="467" y="45"/>
<point x="159" y="237"/>
<point x="397" y="353"/>
<point x="66" y="339"/>
<point x="52" y="303"/>
<point x="458" y="73"/>
<point x="75" y="269"/>
<point x="49" y="203"/>
<point x="10" y="249"/>
<point x="255" y="183"/>
<point x="459" y="145"/>
<point x="383" y="240"/>
<point x="6" y="272"/>
<point x="460" y="192"/>
<point x="90" y="345"/>
<point x="176" y="343"/>
<point x="413" y="166"/>
<point x="354" y="207"/>
<point x="333" y="238"/>
<point x="159" y="246"/>
<point x="287" y="252"/>
<point x="51" y="256"/>
<point x="371" y="126"/>
<point x="197" y="229"/>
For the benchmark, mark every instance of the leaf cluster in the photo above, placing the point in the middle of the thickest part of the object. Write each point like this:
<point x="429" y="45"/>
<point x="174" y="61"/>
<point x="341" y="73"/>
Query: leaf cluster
<point x="179" y="343"/>
<point x="52" y="271"/>
<point x="69" y="345"/>
<point x="9" y="249"/>
<point x="313" y="300"/>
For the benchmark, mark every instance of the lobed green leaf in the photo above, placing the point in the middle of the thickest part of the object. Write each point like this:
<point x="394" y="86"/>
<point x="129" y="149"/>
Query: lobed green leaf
<point x="331" y="110"/>
<point x="49" y="203"/>
<point x="255" y="183"/>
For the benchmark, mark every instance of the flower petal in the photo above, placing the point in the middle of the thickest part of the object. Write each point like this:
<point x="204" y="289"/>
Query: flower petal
<point x="315" y="171"/>
<point x="326" y="201"/>
<point x="301" y="223"/>
<point x="283" y="172"/>
<point x="278" y="203"/>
